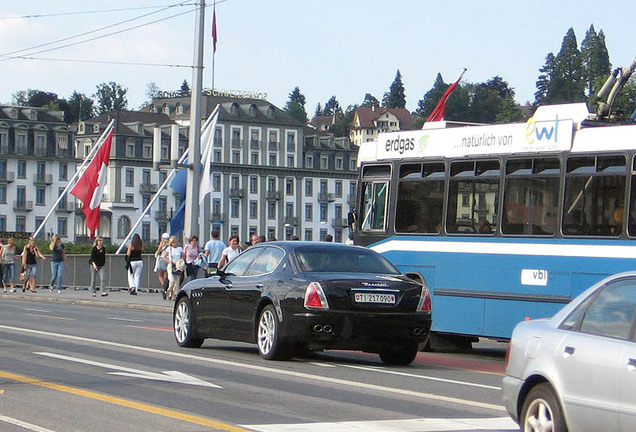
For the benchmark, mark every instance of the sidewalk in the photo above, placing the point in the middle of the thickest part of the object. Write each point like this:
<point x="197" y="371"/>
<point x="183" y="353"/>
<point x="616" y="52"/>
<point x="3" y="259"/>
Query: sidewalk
<point x="149" y="300"/>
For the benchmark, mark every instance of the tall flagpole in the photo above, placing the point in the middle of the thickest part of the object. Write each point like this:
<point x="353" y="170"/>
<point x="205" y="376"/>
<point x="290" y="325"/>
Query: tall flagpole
<point x="214" y="38"/>
<point x="78" y="172"/>
<point x="191" y="220"/>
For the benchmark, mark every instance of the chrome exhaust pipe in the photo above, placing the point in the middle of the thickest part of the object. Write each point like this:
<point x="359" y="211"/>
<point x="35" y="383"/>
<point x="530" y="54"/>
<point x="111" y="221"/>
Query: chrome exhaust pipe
<point x="327" y="328"/>
<point x="318" y="328"/>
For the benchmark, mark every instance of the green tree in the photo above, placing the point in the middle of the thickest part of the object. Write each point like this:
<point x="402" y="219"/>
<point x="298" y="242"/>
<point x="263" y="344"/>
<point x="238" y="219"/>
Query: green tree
<point x="342" y="126"/>
<point x="318" y="111"/>
<point x="80" y="107"/>
<point x="185" y="88"/>
<point x="110" y="97"/>
<point x="493" y="102"/>
<point x="595" y="59"/>
<point x="395" y="97"/>
<point x="370" y="101"/>
<point x="543" y="81"/>
<point x="567" y="84"/>
<point x="295" y="106"/>
<point x="332" y="107"/>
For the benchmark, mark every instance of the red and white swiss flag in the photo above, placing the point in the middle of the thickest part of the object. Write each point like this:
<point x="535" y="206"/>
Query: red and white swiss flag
<point x="90" y="187"/>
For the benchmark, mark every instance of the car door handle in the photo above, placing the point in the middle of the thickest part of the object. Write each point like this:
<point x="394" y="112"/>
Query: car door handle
<point x="631" y="364"/>
<point x="259" y="286"/>
<point x="568" y="350"/>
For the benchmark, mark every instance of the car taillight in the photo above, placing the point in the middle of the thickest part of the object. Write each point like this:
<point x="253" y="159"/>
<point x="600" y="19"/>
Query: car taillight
<point x="315" y="297"/>
<point x="507" y="354"/>
<point x="425" y="300"/>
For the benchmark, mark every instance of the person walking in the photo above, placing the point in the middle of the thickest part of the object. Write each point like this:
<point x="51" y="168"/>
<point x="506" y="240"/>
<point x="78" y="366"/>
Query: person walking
<point x="30" y="253"/>
<point x="230" y="252"/>
<point x="213" y="250"/>
<point x="135" y="264"/>
<point x="161" y="266"/>
<point x="8" y="265"/>
<point x="190" y="254"/>
<point x="97" y="262"/>
<point x="58" y="263"/>
<point x="173" y="254"/>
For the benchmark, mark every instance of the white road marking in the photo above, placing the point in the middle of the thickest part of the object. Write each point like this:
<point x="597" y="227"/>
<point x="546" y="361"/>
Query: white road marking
<point x="323" y="364"/>
<point x="124" y="319"/>
<point x="414" y="425"/>
<point x="37" y="310"/>
<point x="268" y="370"/>
<point x="24" y="425"/>
<point x="170" y="376"/>
<point x="386" y="371"/>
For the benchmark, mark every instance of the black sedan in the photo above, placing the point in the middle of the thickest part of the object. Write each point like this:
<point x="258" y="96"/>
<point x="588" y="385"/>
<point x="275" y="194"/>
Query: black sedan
<point x="292" y="296"/>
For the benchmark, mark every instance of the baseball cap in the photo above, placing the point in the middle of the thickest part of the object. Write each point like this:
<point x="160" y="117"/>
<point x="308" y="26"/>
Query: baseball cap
<point x="165" y="236"/>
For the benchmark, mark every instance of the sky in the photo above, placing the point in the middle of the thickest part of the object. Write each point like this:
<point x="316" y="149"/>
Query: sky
<point x="342" y="48"/>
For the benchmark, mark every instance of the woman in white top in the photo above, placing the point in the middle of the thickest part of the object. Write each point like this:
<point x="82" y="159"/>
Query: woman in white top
<point x="172" y="254"/>
<point x="230" y="252"/>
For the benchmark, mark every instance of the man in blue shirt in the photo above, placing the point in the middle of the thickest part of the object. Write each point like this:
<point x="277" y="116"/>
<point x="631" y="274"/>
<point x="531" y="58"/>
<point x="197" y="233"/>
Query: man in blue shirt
<point x="213" y="250"/>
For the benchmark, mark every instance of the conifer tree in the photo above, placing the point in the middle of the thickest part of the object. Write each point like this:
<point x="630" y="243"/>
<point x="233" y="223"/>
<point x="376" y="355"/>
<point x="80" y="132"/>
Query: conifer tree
<point x="395" y="97"/>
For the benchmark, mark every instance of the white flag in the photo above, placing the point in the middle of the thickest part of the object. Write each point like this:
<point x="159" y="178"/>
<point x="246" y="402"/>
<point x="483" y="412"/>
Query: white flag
<point x="207" y="145"/>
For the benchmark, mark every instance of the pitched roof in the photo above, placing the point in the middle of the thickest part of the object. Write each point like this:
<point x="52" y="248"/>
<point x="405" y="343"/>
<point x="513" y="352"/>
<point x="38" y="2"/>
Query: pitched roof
<point x="367" y="116"/>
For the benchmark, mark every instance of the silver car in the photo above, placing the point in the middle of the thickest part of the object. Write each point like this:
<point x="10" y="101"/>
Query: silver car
<point x="577" y="371"/>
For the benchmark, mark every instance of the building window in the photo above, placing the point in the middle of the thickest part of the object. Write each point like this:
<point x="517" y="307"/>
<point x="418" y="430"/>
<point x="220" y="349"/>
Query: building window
<point x="254" y="158"/>
<point x="216" y="182"/>
<point x="21" y="196"/>
<point x="253" y="209"/>
<point x="353" y="164"/>
<point x="289" y="186"/>
<point x="130" y="150"/>
<point x="162" y="176"/>
<point x="236" y="157"/>
<point x="272" y="159"/>
<point x="20" y="224"/>
<point x="339" y="163"/>
<point x="234" y="181"/>
<point x="271" y="209"/>
<point x="352" y="189"/>
<point x="63" y="171"/>
<point x="271" y="232"/>
<point x="337" y="235"/>
<point x="123" y="227"/>
<point x="3" y="195"/>
<point x="130" y="198"/>
<point x="309" y="187"/>
<point x="234" y="230"/>
<point x="309" y="212"/>
<point x="40" y="195"/>
<point x="216" y="209"/>
<point x="130" y="177"/>
<point x="323" y="212"/>
<point x="3" y="223"/>
<point x="255" y="139"/>
<point x="271" y="184"/>
<point x="253" y="184"/>
<point x="289" y="210"/>
<point x="324" y="162"/>
<point x="21" y="146"/>
<point x="62" y="226"/>
<point x="217" y="155"/>
<point x="145" y="200"/>
<point x="145" y="231"/>
<point x="309" y="234"/>
<point x="22" y="169"/>
<point x="323" y="234"/>
<point x="40" y="145"/>
<point x="236" y="138"/>
<point x="147" y="151"/>
<point x="338" y="188"/>
<point x="218" y="137"/>
<point x="145" y="176"/>
<point x="323" y="187"/>
<point x="309" y="161"/>
<point x="234" y="208"/>
<point x="291" y="142"/>
<point x="290" y="161"/>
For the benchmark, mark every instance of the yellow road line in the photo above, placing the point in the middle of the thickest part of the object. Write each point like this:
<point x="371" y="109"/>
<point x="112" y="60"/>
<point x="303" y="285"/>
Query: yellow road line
<point x="51" y="316"/>
<point x="124" y="402"/>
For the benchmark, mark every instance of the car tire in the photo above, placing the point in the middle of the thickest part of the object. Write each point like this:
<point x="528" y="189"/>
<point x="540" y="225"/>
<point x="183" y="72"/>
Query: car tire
<point x="183" y="325"/>
<point x="268" y="340"/>
<point x="399" y="355"/>
<point x="541" y="411"/>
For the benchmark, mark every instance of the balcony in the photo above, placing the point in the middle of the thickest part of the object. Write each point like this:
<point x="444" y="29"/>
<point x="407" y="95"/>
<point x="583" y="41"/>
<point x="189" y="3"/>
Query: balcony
<point x="45" y="179"/>
<point x="291" y="221"/>
<point x="237" y="143"/>
<point x="272" y="146"/>
<point x="255" y="144"/>
<point x="218" y="217"/>
<point x="148" y="188"/>
<point x="162" y="215"/>
<point x="272" y="195"/>
<point x="23" y="206"/>
<point x="7" y="177"/>
<point x="339" y="223"/>
<point x="65" y="207"/>
<point x="237" y="193"/>
<point x="326" y="197"/>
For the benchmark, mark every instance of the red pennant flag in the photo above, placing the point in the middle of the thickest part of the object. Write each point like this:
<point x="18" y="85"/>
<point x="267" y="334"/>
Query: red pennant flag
<point x="214" y="35"/>
<point x="438" y="112"/>
<point x="90" y="187"/>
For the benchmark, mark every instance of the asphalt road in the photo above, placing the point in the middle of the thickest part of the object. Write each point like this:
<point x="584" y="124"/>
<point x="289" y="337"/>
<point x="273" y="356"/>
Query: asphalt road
<point x="66" y="367"/>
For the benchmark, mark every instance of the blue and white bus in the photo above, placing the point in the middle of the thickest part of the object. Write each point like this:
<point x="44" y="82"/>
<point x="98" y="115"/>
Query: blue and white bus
<point x="504" y="222"/>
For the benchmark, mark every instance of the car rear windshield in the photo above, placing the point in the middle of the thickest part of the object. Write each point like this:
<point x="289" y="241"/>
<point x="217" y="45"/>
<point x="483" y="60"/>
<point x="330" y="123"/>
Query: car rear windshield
<point x="349" y="260"/>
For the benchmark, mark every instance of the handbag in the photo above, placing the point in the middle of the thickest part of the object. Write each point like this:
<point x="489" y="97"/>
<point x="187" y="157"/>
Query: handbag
<point x="179" y="266"/>
<point x="201" y="261"/>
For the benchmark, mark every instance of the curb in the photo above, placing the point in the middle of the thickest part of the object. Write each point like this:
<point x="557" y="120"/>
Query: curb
<point x="81" y="302"/>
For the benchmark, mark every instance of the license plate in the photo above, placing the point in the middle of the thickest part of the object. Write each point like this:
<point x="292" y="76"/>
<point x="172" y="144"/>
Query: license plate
<point x="374" y="298"/>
